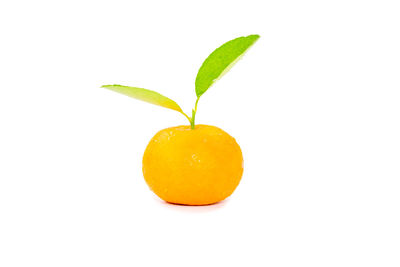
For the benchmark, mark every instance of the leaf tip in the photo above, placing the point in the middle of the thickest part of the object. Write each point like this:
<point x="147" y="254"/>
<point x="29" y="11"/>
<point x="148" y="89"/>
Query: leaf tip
<point x="254" y="37"/>
<point x="109" y="86"/>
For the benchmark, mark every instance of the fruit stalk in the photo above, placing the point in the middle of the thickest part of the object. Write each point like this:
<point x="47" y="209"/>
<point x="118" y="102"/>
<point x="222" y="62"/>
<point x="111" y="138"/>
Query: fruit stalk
<point x="192" y="120"/>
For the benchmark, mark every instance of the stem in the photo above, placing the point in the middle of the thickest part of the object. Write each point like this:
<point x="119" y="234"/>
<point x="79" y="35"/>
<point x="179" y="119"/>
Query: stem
<point x="187" y="117"/>
<point x="195" y="105"/>
<point x="192" y="121"/>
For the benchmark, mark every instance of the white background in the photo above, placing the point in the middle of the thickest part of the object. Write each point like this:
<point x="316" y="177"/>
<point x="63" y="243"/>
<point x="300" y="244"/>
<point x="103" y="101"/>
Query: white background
<point x="314" y="105"/>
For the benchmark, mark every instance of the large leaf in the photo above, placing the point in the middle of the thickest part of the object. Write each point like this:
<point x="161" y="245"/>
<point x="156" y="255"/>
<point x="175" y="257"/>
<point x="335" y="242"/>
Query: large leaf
<point x="145" y="95"/>
<point x="221" y="60"/>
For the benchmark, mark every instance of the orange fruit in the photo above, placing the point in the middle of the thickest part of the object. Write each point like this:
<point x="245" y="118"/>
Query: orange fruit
<point x="187" y="166"/>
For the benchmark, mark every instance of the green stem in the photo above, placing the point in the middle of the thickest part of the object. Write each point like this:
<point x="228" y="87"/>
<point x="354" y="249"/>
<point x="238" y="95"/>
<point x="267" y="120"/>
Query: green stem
<point x="187" y="117"/>
<point x="195" y="105"/>
<point x="192" y="121"/>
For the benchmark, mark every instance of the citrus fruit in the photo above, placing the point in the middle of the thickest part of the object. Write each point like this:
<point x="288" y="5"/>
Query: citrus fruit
<point x="197" y="166"/>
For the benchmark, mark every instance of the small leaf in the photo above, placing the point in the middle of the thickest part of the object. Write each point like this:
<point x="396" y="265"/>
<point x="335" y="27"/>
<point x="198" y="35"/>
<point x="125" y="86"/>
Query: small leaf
<point x="145" y="95"/>
<point x="221" y="60"/>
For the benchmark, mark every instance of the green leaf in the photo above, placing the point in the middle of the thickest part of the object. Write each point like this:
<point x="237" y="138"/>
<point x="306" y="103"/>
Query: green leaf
<point x="145" y="95"/>
<point x="221" y="61"/>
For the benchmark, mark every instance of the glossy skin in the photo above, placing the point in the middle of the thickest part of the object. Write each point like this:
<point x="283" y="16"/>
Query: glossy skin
<point x="193" y="167"/>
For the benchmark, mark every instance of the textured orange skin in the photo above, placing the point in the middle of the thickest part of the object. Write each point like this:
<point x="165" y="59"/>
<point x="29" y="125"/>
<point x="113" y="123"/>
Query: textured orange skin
<point x="193" y="167"/>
